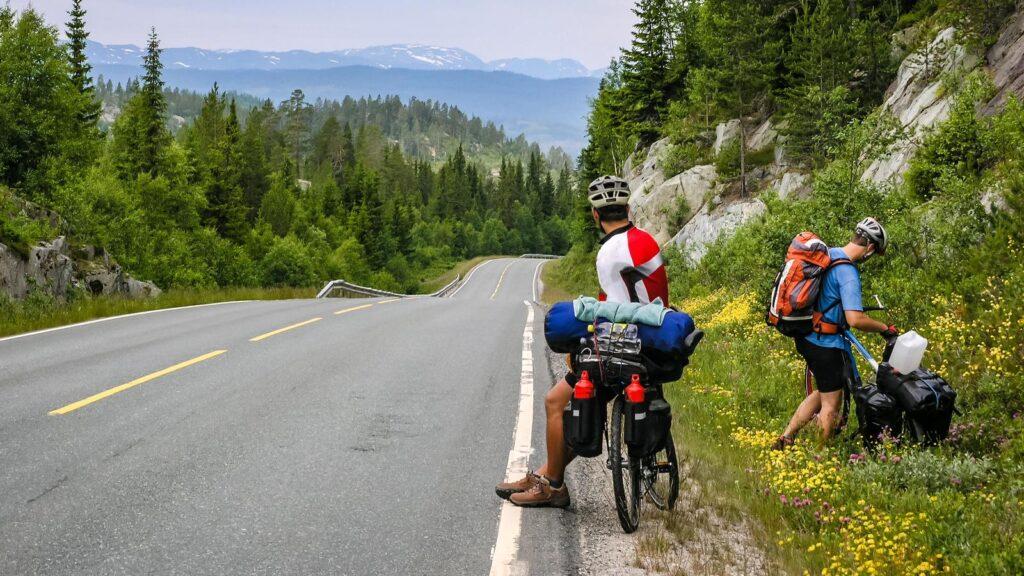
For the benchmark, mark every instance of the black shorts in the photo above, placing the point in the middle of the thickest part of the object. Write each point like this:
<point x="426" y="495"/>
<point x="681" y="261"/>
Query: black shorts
<point x="832" y="367"/>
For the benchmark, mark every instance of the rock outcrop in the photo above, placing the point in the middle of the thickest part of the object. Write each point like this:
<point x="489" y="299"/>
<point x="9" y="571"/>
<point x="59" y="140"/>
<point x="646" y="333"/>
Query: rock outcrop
<point x="1006" y="63"/>
<point x="649" y="174"/>
<point x="712" y="222"/>
<point x="673" y="202"/>
<point x="55" y="267"/>
<point x="726" y="133"/>
<point x="693" y="209"/>
<point x="917" y="98"/>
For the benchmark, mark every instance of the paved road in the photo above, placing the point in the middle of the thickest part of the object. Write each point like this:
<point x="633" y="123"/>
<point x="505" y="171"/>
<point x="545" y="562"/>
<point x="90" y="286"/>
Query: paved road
<point x="204" y="441"/>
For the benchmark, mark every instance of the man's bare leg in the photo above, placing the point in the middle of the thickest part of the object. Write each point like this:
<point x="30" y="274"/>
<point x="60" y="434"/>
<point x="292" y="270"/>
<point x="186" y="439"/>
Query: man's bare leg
<point x="804" y="413"/>
<point x="559" y="455"/>
<point x="827" y="418"/>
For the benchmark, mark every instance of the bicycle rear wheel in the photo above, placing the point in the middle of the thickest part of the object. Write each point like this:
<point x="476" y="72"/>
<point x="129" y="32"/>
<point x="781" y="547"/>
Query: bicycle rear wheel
<point x="625" y="471"/>
<point x="663" y="466"/>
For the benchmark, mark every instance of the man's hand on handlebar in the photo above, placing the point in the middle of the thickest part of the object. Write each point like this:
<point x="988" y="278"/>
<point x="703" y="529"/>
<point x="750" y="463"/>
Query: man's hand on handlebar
<point x="890" y="333"/>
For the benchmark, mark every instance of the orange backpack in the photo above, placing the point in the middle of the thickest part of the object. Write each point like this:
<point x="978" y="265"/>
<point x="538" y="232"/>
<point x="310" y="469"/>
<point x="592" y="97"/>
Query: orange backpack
<point x="797" y="287"/>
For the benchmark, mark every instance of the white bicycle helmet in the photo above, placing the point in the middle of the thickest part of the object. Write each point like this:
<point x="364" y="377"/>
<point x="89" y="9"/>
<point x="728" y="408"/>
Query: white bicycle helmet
<point x="871" y="230"/>
<point x="608" y="191"/>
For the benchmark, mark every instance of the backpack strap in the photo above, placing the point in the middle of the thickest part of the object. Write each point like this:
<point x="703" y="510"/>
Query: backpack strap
<point x="818" y="323"/>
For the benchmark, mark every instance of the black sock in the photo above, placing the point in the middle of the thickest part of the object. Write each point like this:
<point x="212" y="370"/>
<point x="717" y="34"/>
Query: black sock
<point x="556" y="484"/>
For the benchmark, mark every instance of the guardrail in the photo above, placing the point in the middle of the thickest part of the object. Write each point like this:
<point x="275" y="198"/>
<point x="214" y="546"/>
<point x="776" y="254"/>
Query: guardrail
<point x="357" y="290"/>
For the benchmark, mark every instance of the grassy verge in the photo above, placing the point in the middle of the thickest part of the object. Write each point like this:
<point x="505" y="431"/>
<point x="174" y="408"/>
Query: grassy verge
<point x="38" y="312"/>
<point x="833" y="509"/>
<point x="569" y="277"/>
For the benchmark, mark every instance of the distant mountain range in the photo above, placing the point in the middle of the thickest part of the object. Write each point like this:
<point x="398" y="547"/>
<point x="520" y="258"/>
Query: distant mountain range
<point x="549" y="112"/>
<point x="407" y="56"/>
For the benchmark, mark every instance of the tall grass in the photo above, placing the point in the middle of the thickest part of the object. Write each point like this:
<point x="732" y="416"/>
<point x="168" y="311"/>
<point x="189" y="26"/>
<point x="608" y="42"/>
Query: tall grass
<point x="40" y="311"/>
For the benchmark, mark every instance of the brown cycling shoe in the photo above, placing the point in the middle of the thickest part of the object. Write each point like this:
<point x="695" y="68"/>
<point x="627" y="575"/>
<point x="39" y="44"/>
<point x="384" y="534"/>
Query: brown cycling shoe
<point x="506" y="489"/>
<point x="782" y="443"/>
<point x="541" y="495"/>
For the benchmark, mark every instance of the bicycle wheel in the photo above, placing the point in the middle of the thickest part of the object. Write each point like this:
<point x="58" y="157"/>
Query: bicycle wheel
<point x="625" y="471"/>
<point x="662" y="466"/>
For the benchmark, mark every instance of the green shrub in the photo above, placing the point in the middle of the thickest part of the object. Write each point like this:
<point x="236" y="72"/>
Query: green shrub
<point x="288" y="264"/>
<point x="727" y="161"/>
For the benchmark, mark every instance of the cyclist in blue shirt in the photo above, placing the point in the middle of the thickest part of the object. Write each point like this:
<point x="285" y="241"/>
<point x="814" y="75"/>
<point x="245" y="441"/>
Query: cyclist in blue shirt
<point x="827" y="353"/>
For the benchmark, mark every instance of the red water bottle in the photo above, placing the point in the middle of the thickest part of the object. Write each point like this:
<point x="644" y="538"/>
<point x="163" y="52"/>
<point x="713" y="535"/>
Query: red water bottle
<point x="584" y="389"/>
<point x="635" y="391"/>
<point x="635" y="432"/>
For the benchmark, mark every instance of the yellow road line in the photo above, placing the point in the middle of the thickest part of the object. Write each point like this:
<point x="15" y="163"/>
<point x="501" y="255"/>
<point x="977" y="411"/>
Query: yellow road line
<point x="143" y="380"/>
<point x="353" y="309"/>
<point x="500" y="278"/>
<point x="389" y="301"/>
<point x="285" y="329"/>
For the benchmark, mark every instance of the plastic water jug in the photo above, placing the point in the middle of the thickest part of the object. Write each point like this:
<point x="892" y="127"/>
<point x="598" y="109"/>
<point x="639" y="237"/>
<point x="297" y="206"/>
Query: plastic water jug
<point x="908" y="352"/>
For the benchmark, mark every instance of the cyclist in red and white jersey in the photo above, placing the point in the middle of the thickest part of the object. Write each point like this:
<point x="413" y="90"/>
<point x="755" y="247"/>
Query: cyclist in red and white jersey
<point x="629" y="263"/>
<point x="629" y="269"/>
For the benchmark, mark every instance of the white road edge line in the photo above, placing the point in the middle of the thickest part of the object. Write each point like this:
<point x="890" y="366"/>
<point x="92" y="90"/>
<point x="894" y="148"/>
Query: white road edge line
<point x="503" y="555"/>
<point x="98" y="320"/>
<point x="536" y="279"/>
<point x="470" y="275"/>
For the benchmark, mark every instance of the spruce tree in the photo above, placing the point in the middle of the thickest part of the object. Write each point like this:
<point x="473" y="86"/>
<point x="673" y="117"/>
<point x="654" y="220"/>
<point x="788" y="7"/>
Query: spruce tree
<point x="743" y="54"/>
<point x="81" y="70"/>
<point x="154" y="107"/>
<point x="297" y="117"/>
<point x="645" y="66"/>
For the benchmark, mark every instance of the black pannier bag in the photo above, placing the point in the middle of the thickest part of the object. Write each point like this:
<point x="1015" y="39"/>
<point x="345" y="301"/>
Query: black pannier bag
<point x="878" y="414"/>
<point x="928" y="400"/>
<point x="583" y="426"/>
<point x="647" y="426"/>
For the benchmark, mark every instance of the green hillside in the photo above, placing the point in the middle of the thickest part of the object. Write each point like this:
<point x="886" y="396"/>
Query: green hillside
<point x="820" y="69"/>
<point x="287" y="194"/>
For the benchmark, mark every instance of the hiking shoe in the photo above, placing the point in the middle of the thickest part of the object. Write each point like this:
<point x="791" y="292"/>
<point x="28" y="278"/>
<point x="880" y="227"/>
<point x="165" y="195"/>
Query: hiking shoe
<point x="506" y="489"/>
<point x="782" y="443"/>
<point x="541" y="495"/>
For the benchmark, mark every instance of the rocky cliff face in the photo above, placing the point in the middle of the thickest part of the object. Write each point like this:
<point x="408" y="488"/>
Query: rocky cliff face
<point x="1006" y="63"/>
<point x="56" y="267"/>
<point x="917" y="98"/>
<point x="694" y="209"/>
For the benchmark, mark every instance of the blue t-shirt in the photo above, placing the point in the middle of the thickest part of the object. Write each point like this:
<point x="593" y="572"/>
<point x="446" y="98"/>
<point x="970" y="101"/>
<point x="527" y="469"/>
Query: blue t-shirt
<point x="842" y="283"/>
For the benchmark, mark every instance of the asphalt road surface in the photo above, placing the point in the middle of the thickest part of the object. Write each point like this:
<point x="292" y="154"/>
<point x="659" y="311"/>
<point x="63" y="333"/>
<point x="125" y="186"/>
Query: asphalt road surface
<point x="292" y="437"/>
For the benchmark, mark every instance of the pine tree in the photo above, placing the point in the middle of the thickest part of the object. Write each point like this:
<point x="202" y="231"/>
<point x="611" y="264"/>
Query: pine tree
<point x="645" y="66"/>
<point x="37" y="104"/>
<point x="297" y="118"/>
<point x="81" y="70"/>
<point x="739" y="43"/>
<point x="153" y="107"/>
<point x="226" y="210"/>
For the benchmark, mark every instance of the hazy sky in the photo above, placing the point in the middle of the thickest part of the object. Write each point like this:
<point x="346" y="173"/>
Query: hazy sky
<point x="590" y="31"/>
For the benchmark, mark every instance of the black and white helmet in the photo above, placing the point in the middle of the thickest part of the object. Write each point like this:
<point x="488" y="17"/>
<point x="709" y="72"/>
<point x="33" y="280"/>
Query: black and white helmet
<point x="608" y="191"/>
<point x="871" y="230"/>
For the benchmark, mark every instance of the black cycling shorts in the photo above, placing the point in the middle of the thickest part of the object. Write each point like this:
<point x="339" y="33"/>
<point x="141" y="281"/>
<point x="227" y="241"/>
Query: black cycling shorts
<point x="832" y="367"/>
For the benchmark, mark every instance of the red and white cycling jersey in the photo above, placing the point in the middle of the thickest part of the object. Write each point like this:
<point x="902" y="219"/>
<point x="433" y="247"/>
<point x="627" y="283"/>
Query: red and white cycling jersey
<point x="630" y="268"/>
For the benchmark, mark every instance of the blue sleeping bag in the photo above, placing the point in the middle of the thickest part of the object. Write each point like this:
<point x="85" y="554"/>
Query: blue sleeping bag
<point x="563" y="332"/>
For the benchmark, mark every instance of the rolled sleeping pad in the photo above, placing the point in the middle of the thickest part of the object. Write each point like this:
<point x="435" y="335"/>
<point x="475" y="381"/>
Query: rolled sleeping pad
<point x="563" y="332"/>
